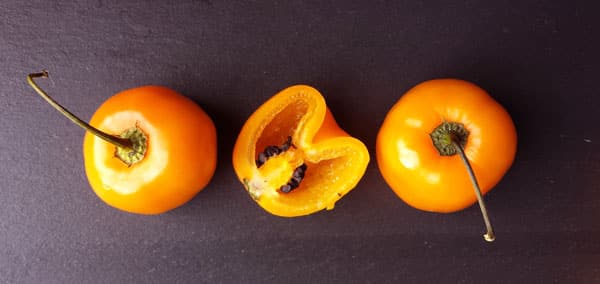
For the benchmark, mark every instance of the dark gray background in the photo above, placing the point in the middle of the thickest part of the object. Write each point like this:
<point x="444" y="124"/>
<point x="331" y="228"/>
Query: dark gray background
<point x="540" y="59"/>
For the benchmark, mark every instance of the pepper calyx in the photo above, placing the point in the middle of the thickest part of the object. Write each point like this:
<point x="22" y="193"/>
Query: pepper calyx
<point x="446" y="134"/>
<point x="139" y="146"/>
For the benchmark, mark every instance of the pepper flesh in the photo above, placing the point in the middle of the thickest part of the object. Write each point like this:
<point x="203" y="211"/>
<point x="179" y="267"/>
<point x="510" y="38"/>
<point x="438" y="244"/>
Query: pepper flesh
<point x="335" y="162"/>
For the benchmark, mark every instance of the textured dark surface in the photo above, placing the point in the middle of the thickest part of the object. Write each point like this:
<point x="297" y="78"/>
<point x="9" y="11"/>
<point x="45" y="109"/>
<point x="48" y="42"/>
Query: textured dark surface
<point x="539" y="59"/>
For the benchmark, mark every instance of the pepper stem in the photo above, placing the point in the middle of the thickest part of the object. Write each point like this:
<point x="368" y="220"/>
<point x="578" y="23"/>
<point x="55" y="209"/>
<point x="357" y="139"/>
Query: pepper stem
<point x="489" y="235"/>
<point x="450" y="138"/>
<point x="117" y="141"/>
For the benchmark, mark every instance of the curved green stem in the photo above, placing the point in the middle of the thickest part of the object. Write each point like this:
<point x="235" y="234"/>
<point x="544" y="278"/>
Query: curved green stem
<point x="489" y="235"/>
<point x="117" y="141"/>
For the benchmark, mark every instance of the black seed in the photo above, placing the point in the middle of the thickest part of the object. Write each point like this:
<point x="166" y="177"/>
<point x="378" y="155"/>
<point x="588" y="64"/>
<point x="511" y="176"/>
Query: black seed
<point x="287" y="144"/>
<point x="262" y="158"/>
<point x="286" y="188"/>
<point x="271" y="151"/>
<point x="294" y="182"/>
<point x="300" y="171"/>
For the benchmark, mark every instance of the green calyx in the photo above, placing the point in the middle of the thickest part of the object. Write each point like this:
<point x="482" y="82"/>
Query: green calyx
<point x="137" y="151"/>
<point x="446" y="134"/>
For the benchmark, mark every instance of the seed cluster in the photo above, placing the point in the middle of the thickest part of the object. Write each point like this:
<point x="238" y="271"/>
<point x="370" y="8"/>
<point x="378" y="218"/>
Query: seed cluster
<point x="271" y="151"/>
<point x="294" y="182"/>
<point x="297" y="175"/>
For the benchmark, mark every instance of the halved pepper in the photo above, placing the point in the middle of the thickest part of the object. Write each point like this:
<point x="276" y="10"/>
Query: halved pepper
<point x="292" y="156"/>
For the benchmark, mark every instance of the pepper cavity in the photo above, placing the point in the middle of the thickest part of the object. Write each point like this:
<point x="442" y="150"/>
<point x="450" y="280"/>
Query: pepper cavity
<point x="271" y="151"/>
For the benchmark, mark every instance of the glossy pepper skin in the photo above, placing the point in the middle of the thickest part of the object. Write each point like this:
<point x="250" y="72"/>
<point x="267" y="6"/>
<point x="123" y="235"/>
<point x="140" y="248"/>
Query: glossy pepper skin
<point x="179" y="161"/>
<point x="334" y="161"/>
<point x="414" y="168"/>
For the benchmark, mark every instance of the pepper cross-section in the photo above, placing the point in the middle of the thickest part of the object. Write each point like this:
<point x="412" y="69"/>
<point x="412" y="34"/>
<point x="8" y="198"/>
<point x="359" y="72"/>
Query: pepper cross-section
<point x="293" y="158"/>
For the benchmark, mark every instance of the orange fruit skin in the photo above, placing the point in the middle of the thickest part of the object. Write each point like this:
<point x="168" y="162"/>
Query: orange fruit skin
<point x="412" y="166"/>
<point x="180" y="159"/>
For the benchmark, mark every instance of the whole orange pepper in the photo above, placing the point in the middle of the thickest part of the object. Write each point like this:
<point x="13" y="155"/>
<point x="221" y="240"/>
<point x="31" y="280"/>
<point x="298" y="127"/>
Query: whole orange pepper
<point x="156" y="150"/>
<point x="293" y="158"/>
<point x="432" y="132"/>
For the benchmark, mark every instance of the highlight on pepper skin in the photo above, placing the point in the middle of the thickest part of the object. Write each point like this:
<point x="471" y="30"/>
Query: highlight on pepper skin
<point x="292" y="157"/>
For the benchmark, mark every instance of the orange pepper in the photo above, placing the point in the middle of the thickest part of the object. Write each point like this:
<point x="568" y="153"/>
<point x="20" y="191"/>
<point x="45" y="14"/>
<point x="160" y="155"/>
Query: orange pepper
<point x="417" y="145"/>
<point x="157" y="149"/>
<point x="181" y="153"/>
<point x="293" y="158"/>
